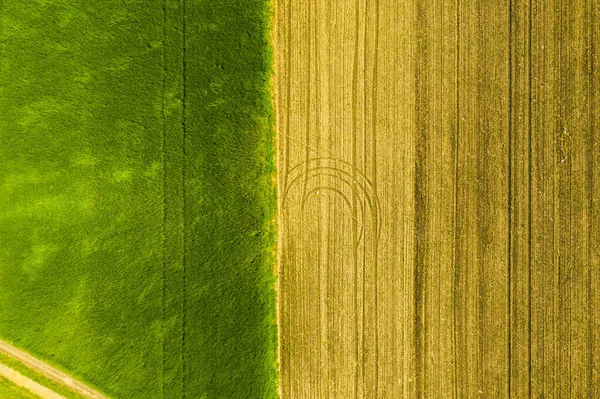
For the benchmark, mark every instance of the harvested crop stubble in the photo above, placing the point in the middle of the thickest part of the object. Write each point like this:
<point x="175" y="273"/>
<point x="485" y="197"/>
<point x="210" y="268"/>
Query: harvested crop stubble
<point x="439" y="213"/>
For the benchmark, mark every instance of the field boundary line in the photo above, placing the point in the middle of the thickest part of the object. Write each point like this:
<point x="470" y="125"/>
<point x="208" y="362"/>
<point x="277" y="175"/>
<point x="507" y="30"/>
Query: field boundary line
<point x="164" y="191"/>
<point x="45" y="370"/>
<point x="184" y="109"/>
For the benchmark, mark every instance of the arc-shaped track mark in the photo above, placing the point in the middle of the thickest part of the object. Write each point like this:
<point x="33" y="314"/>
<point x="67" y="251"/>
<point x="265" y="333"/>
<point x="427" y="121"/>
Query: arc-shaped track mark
<point x="377" y="214"/>
<point x="366" y="187"/>
<point x="327" y="173"/>
<point x="344" y="198"/>
<point x="352" y="185"/>
<point x="319" y="188"/>
<point x="368" y="198"/>
<point x="334" y="160"/>
<point x="334" y="170"/>
<point x="373" y="205"/>
<point x="368" y="184"/>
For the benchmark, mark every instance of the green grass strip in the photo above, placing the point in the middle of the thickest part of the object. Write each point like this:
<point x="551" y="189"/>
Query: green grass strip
<point x="230" y="202"/>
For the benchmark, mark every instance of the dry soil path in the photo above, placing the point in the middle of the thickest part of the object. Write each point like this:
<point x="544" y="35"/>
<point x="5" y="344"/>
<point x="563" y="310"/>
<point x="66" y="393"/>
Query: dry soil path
<point x="30" y="385"/>
<point x="45" y="370"/>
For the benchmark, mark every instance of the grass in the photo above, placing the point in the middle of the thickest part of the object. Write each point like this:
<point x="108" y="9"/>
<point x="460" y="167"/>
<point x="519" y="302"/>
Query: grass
<point x="230" y="301"/>
<point x="136" y="194"/>
<point x="8" y="390"/>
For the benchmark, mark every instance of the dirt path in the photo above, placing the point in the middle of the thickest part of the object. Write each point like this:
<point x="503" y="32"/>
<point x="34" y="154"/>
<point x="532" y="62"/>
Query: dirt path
<point x="437" y="188"/>
<point x="47" y="371"/>
<point x="24" y="382"/>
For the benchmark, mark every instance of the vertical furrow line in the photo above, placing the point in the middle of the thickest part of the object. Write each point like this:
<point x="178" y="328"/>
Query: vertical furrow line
<point x="330" y="214"/>
<point x="285" y="171"/>
<point x="365" y="130"/>
<point x="557" y="151"/>
<point x="280" y="172"/>
<point x="308" y="96"/>
<point x="1" y="41"/>
<point x="479" y="144"/>
<point x="375" y="213"/>
<point x="563" y="272"/>
<point x="365" y="172"/>
<point x="359" y="362"/>
<point x="172" y="285"/>
<point x="441" y="228"/>
<point x="529" y="194"/>
<point x="590" y="185"/>
<point x="556" y="269"/>
<point x="183" y="188"/>
<point x="281" y="144"/>
<point x="364" y="150"/>
<point x="456" y="276"/>
<point x="510" y="204"/>
<point x="288" y="66"/>
<point x="325" y="268"/>
<point x="355" y="163"/>
<point x="322" y="382"/>
<point x="164" y="187"/>
<point x="420" y="196"/>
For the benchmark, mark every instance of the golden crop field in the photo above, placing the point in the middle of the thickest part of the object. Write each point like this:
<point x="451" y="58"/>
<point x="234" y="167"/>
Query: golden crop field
<point x="439" y="179"/>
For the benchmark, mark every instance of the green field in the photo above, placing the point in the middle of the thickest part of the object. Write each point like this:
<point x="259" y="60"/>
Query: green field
<point x="136" y="194"/>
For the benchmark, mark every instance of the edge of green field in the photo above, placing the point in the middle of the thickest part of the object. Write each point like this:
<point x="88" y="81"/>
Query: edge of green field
<point x="238" y="126"/>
